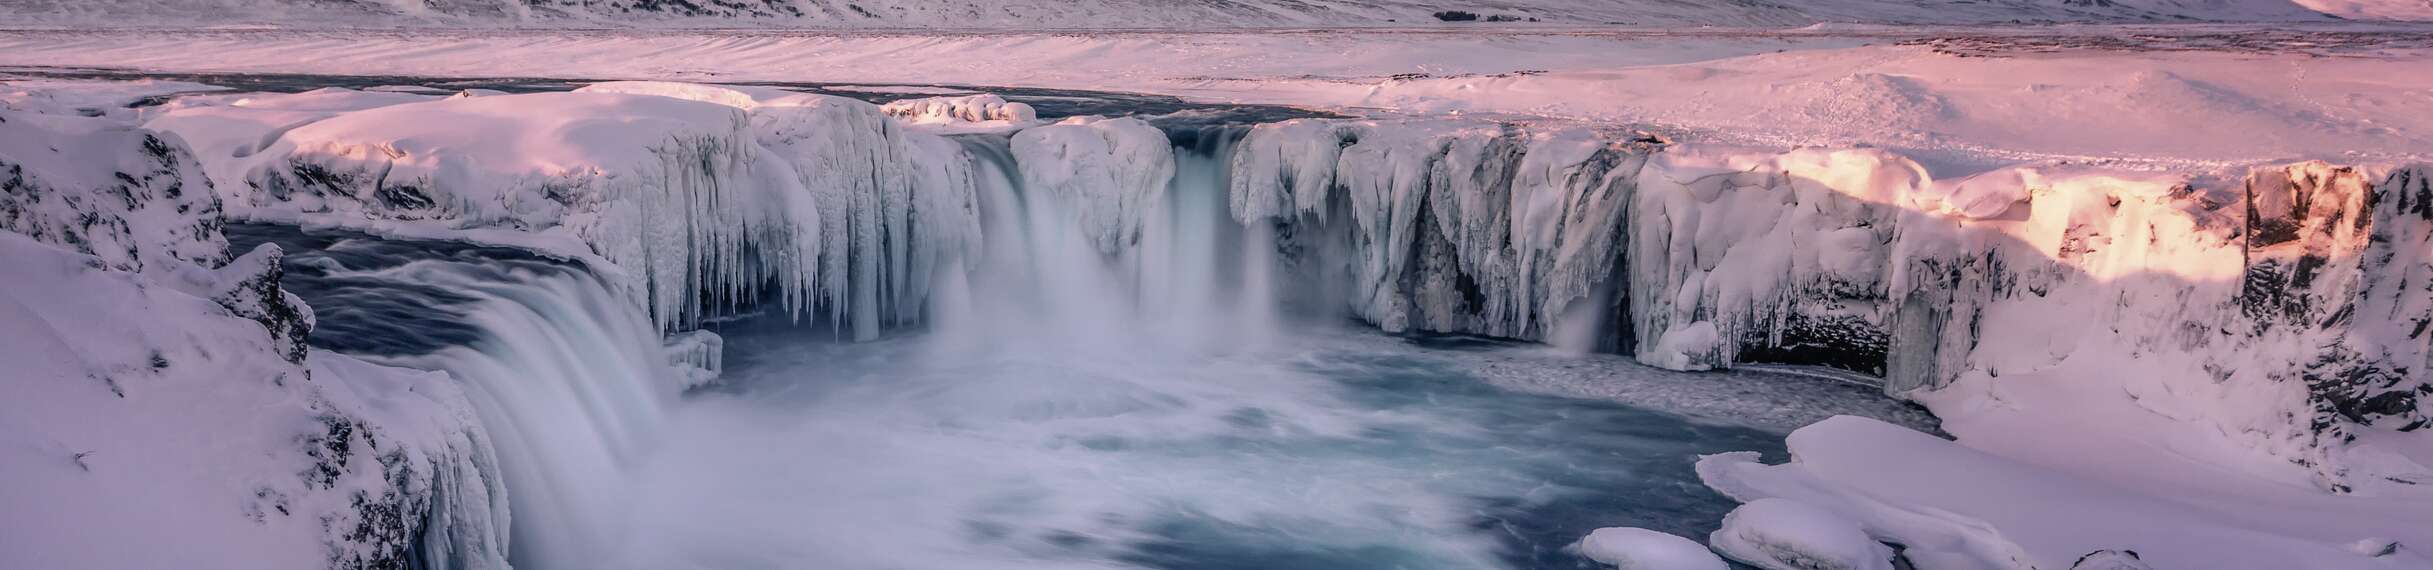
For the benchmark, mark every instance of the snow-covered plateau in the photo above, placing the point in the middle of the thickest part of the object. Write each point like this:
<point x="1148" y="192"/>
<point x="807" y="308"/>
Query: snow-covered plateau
<point x="434" y="297"/>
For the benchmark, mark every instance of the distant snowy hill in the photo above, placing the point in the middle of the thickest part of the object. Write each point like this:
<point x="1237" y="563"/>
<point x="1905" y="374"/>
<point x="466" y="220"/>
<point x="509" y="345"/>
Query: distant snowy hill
<point x="994" y="14"/>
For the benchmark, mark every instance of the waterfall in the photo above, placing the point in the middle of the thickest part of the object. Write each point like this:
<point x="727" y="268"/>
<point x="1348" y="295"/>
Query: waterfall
<point x="1186" y="276"/>
<point x="572" y="383"/>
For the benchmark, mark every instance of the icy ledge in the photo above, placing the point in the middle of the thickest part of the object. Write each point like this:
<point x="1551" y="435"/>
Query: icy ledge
<point x="2274" y="313"/>
<point x="690" y="197"/>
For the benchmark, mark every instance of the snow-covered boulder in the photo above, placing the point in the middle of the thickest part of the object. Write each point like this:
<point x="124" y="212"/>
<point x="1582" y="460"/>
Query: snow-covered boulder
<point x="965" y="112"/>
<point x="1782" y="534"/>
<point x="1641" y="549"/>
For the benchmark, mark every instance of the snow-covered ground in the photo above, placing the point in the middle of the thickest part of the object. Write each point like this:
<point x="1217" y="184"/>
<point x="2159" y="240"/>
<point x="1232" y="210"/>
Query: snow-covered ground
<point x="1958" y="99"/>
<point x="1106" y="14"/>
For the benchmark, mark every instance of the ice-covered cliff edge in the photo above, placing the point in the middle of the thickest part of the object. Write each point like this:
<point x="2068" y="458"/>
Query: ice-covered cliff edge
<point x="161" y="394"/>
<point x="691" y="196"/>
<point x="2278" y="310"/>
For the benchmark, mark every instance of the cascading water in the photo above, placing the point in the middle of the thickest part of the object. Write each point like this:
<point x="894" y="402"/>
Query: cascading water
<point x="1189" y="277"/>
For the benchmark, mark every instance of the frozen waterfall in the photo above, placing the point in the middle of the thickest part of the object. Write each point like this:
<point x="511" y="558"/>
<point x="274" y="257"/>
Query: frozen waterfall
<point x="2281" y="309"/>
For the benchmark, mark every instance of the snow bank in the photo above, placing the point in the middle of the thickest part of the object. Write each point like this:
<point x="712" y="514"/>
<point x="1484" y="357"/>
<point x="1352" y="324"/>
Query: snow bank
<point x="162" y="399"/>
<point x="1782" y="534"/>
<point x="130" y="197"/>
<point x="90" y="98"/>
<point x="1950" y="506"/>
<point x="1642" y="549"/>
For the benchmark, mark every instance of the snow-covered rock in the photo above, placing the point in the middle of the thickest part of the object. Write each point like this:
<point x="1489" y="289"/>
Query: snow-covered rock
<point x="1641" y="549"/>
<point x="965" y="112"/>
<point x="156" y="399"/>
<point x="1782" y="534"/>
<point x="131" y="197"/>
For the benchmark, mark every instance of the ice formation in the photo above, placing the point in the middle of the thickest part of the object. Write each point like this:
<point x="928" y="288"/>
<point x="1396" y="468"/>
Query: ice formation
<point x="1109" y="173"/>
<point x="693" y="196"/>
<point x="698" y="357"/>
<point x="2290" y="292"/>
<point x="1493" y="231"/>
